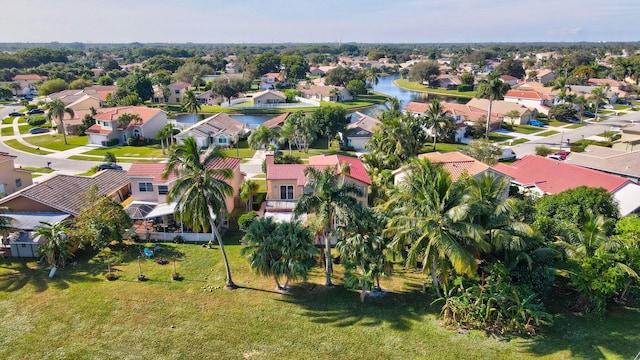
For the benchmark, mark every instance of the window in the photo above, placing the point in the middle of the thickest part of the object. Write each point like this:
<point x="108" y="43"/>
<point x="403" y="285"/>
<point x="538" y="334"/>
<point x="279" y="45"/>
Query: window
<point x="286" y="192"/>
<point x="307" y="190"/>
<point x="163" y="189"/>
<point x="177" y="91"/>
<point x="177" y="99"/>
<point x="222" y="140"/>
<point x="146" y="187"/>
<point x="18" y="183"/>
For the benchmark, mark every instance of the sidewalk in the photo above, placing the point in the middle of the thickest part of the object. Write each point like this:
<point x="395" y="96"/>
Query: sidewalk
<point x="253" y="166"/>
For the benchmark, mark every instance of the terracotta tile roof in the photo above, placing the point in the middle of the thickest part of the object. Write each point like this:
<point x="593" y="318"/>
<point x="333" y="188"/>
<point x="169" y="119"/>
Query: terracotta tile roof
<point x="31" y="77"/>
<point x="357" y="169"/>
<point x="595" y="81"/>
<point x="154" y="171"/>
<point x="97" y="129"/>
<point x="290" y="172"/>
<point x="508" y="77"/>
<point x="221" y="123"/>
<point x="277" y="121"/>
<point x="552" y="176"/>
<point x="66" y="192"/>
<point x="456" y="163"/>
<point x="470" y="113"/>
<point x="528" y="94"/>
<point x="112" y="114"/>
<point x="179" y="85"/>
<point x="416" y="107"/>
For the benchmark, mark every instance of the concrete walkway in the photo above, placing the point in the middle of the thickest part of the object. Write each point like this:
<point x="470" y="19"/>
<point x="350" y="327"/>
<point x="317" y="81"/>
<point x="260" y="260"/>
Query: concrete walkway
<point x="253" y="167"/>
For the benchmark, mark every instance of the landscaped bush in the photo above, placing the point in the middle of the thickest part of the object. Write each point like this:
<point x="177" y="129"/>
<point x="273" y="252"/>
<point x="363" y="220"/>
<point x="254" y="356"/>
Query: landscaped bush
<point x="465" y="87"/>
<point x="347" y="148"/>
<point x="543" y="150"/>
<point x="112" y="142"/>
<point x="31" y="107"/>
<point x="245" y="220"/>
<point x="36" y="121"/>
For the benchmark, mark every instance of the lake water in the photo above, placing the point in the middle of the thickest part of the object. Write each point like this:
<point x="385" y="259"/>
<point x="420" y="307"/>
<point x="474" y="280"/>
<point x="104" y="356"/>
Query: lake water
<point x="385" y="85"/>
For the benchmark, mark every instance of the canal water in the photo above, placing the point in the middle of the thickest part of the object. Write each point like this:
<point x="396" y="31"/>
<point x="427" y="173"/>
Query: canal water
<point x="385" y="85"/>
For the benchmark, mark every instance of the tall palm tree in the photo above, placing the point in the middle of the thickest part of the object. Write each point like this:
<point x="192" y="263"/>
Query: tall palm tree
<point x="438" y="120"/>
<point x="58" y="244"/>
<point x="56" y="110"/>
<point x="190" y="104"/>
<point x="199" y="191"/>
<point x="493" y="89"/>
<point x="261" y="137"/>
<point x="581" y="101"/>
<point x="247" y="190"/>
<point x="561" y="85"/>
<point x="372" y="77"/>
<point x="431" y="220"/>
<point x="5" y="221"/>
<point x="288" y="133"/>
<point x="329" y="201"/>
<point x="15" y="87"/>
<point x="598" y="96"/>
<point x="165" y="134"/>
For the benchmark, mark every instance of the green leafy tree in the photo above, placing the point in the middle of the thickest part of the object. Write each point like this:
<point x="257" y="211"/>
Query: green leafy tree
<point x="228" y="88"/>
<point x="137" y="83"/>
<point x="80" y="84"/>
<point x="5" y="93"/>
<point x="56" y="110"/>
<point x="199" y="191"/>
<point x="511" y="67"/>
<point x="329" y="202"/>
<point x="58" y="244"/>
<point x="331" y="120"/>
<point x="110" y="158"/>
<point x="357" y="87"/>
<point x="105" y="80"/>
<point x="467" y="78"/>
<point x="279" y="250"/>
<point x="438" y="121"/>
<point x="52" y="86"/>
<point x="261" y="137"/>
<point x="267" y="62"/>
<point x="191" y="69"/>
<point x="372" y="77"/>
<point x="492" y="88"/>
<point x="484" y="150"/>
<point x="424" y="71"/>
<point x="248" y="189"/>
<point x="562" y="112"/>
<point x="295" y="67"/>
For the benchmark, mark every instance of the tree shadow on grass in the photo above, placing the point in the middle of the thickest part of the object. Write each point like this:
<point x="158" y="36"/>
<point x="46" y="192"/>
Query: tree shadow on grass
<point x="19" y="274"/>
<point x="342" y="307"/>
<point x="617" y="335"/>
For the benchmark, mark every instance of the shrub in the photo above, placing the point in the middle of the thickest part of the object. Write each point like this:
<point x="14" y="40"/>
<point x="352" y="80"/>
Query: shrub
<point x="134" y="237"/>
<point x="245" y="220"/>
<point x="465" y="87"/>
<point x="37" y="121"/>
<point x="31" y="107"/>
<point x="543" y="150"/>
<point x="178" y="239"/>
<point x="112" y="142"/>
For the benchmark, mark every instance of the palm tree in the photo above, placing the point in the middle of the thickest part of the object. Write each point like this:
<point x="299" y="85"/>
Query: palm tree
<point x="247" y="190"/>
<point x="56" y="110"/>
<point x="288" y="133"/>
<point x="431" y="220"/>
<point x="163" y="134"/>
<point x="199" y="191"/>
<point x="438" y="120"/>
<point x="110" y="158"/>
<point x="58" y="245"/>
<point x="581" y="101"/>
<point x="561" y="84"/>
<point x="197" y="81"/>
<point x="190" y="104"/>
<point x="15" y="87"/>
<point x="372" y="77"/>
<point x="598" y="96"/>
<point x="493" y="89"/>
<point x="329" y="202"/>
<point x="261" y="137"/>
<point x="5" y="221"/>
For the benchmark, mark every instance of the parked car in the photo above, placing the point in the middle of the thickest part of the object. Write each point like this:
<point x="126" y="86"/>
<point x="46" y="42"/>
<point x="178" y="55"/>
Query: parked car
<point x="35" y="111"/>
<point x="507" y="155"/>
<point x="554" y="157"/>
<point x="607" y="107"/>
<point x="623" y="102"/>
<point x="15" y="113"/>
<point x="38" y="130"/>
<point x="588" y="114"/>
<point x="561" y="154"/>
<point x="534" y="122"/>
<point x="111" y="166"/>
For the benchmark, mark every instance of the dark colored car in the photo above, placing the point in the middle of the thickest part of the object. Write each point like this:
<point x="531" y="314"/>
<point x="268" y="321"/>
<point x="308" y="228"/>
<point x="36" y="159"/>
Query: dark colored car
<point x="15" y="113"/>
<point x="35" y="111"/>
<point x="111" y="166"/>
<point x="534" y="122"/>
<point x="623" y="102"/>
<point x="38" y="130"/>
<point x="588" y="114"/>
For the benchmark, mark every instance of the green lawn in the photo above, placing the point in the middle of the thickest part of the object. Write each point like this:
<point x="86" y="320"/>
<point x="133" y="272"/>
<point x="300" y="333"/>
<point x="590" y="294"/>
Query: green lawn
<point x="6" y="131"/>
<point x="404" y="83"/>
<point x="518" y="141"/>
<point x="7" y="120"/>
<point x="89" y="172"/>
<point x="45" y="170"/>
<point x="525" y="129"/>
<point x="78" y="314"/>
<point x="153" y="151"/>
<point x="243" y="151"/>
<point x="319" y="147"/>
<point x="548" y="133"/>
<point x="575" y="126"/>
<point x="101" y="159"/>
<point x="556" y="123"/>
<point x="445" y="147"/>
<point x="13" y="143"/>
<point x="499" y="137"/>
<point x="56" y="142"/>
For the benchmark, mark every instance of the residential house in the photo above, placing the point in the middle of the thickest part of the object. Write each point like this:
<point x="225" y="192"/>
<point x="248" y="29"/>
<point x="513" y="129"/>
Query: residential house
<point x="176" y="93"/>
<point x="230" y="68"/>
<point x="325" y="93"/>
<point x="149" y="191"/>
<point x="614" y="85"/>
<point x="531" y="99"/>
<point x="270" y="80"/>
<point x="92" y="97"/>
<point x="455" y="163"/>
<point x="586" y="90"/>
<point x="276" y="122"/>
<point x="360" y="130"/>
<point x="287" y="182"/>
<point x="511" y="80"/>
<point x="542" y="75"/>
<point x="463" y="114"/>
<point x="268" y="97"/>
<point x="206" y="98"/>
<point x="219" y="130"/>
<point x="64" y="194"/>
<point x="630" y="139"/>
<point x="502" y="108"/>
<point x="537" y="176"/>
<point x="12" y="179"/>
<point x="446" y="81"/>
<point x="28" y="81"/>
<point x="108" y="127"/>
<point x="316" y="72"/>
<point x="612" y="161"/>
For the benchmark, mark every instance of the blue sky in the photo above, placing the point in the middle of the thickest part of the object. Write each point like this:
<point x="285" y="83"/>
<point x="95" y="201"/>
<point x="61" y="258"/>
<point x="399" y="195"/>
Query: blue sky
<point x="277" y="21"/>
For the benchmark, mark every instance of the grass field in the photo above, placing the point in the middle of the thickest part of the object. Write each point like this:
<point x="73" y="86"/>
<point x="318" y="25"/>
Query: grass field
<point x="78" y="314"/>
<point x="120" y="160"/>
<point x="518" y="141"/>
<point x="13" y="143"/>
<point x="6" y="131"/>
<point x="243" y="151"/>
<point x="56" y="141"/>
<point x="548" y="133"/>
<point x="7" y="120"/>
<point x="526" y="129"/>
<point x="574" y="126"/>
<point x="499" y="137"/>
<point x="45" y="170"/>
<point x="406" y="84"/>
<point x="153" y="151"/>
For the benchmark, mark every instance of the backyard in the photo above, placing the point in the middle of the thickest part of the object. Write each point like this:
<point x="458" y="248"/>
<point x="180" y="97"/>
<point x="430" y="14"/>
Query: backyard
<point x="78" y="314"/>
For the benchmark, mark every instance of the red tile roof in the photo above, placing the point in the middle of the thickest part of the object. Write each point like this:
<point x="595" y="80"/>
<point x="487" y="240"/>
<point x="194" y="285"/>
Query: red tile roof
<point x="4" y="156"/>
<point x="290" y="172"/>
<point x="456" y="163"/>
<point x="154" y="170"/>
<point x="180" y="85"/>
<point x="32" y="77"/>
<point x="112" y="114"/>
<point x="528" y="94"/>
<point x="97" y="129"/>
<point x="552" y="176"/>
<point x="320" y="162"/>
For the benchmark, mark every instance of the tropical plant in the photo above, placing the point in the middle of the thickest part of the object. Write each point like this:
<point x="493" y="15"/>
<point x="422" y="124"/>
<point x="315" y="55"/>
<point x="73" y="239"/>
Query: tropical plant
<point x="262" y="137"/>
<point x="279" y="250"/>
<point x="437" y="120"/>
<point x="492" y="89"/>
<point x="200" y="191"/>
<point x="6" y="222"/>
<point x="58" y="244"/>
<point x="165" y="135"/>
<point x="190" y="104"/>
<point x="329" y="201"/>
<point x="56" y="109"/>
<point x="110" y="158"/>
<point x="431" y="221"/>
<point x="126" y="119"/>
<point x="598" y="97"/>
<point x="247" y="190"/>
